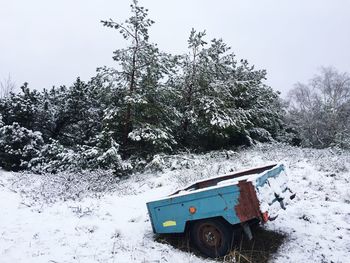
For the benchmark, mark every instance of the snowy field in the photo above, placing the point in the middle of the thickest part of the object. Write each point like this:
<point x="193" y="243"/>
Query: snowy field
<point x="61" y="218"/>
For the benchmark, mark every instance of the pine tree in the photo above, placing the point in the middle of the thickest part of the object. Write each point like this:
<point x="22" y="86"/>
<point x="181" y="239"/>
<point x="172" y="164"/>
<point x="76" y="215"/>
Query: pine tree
<point x="221" y="100"/>
<point x="150" y="102"/>
<point x="138" y="115"/>
<point x="21" y="108"/>
<point x="18" y="146"/>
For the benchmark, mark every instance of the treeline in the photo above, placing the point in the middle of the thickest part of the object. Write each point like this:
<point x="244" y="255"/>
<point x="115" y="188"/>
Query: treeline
<point x="151" y="102"/>
<point x="320" y="110"/>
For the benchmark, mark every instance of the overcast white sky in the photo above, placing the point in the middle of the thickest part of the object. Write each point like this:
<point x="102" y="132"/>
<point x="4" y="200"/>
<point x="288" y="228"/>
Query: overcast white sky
<point x="51" y="42"/>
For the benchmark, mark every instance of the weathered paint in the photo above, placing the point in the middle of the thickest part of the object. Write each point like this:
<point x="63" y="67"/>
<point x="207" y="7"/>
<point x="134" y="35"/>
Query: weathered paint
<point x="211" y="203"/>
<point x="248" y="203"/>
<point x="237" y="203"/>
<point x="260" y="181"/>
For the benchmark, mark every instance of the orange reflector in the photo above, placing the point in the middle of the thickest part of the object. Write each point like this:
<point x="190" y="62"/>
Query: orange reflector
<point x="265" y="216"/>
<point x="192" y="209"/>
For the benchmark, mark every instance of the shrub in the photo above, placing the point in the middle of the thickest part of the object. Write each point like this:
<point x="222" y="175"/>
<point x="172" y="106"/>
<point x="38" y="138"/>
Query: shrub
<point x="18" y="146"/>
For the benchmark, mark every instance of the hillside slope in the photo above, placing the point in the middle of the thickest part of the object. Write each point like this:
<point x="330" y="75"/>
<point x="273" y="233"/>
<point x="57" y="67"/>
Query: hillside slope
<point x="63" y="218"/>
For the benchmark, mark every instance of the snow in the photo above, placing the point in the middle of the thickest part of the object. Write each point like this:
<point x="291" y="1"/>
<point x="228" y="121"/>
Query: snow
<point x="228" y="182"/>
<point x="109" y="229"/>
<point x="114" y="226"/>
<point x="266" y="195"/>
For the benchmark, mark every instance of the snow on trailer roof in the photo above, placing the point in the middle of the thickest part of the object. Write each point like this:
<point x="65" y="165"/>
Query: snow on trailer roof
<point x="233" y="173"/>
<point x="190" y="191"/>
<point x="224" y="183"/>
<point x="248" y="178"/>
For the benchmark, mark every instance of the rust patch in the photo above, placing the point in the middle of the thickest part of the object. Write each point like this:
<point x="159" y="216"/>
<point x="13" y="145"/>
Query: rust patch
<point x="248" y="203"/>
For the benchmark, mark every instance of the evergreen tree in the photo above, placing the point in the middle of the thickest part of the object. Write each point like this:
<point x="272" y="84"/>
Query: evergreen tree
<point x="150" y="102"/>
<point x="21" y="108"/>
<point x="18" y="146"/>
<point x="222" y="100"/>
<point x="138" y="115"/>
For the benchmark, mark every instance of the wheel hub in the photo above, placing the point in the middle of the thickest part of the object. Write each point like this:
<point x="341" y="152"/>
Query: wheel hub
<point x="210" y="236"/>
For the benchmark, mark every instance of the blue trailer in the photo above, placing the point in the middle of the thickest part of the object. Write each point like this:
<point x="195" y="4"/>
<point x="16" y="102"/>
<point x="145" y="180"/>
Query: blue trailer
<point x="211" y="209"/>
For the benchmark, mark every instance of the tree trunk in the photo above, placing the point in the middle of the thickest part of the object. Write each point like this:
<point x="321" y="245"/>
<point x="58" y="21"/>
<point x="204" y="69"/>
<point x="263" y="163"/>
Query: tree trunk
<point x="128" y="114"/>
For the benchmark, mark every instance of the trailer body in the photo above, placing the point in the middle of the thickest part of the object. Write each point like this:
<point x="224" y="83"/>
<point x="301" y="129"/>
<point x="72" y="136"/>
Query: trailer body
<point x="238" y="197"/>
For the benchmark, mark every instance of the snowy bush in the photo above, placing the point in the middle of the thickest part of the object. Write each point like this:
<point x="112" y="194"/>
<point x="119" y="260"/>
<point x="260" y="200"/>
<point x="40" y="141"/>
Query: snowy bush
<point x="260" y="134"/>
<point x="49" y="188"/>
<point x="157" y="164"/>
<point x="18" y="146"/>
<point x="111" y="159"/>
<point x="154" y="139"/>
<point x="55" y="157"/>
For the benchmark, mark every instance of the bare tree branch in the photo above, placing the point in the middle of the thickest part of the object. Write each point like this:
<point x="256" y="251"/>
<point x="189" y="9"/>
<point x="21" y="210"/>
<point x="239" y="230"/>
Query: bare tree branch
<point x="6" y="87"/>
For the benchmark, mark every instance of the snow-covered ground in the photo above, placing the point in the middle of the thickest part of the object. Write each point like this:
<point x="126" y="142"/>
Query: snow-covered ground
<point x="59" y="218"/>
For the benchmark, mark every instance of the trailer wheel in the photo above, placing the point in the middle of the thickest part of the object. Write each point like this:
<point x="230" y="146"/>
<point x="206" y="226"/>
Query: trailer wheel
<point x="212" y="237"/>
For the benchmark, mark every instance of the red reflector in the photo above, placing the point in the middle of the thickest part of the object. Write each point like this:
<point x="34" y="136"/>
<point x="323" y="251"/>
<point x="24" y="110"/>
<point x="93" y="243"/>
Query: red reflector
<point x="265" y="216"/>
<point x="192" y="210"/>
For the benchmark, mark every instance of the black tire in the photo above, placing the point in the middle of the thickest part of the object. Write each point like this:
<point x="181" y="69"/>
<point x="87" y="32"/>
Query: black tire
<point x="212" y="237"/>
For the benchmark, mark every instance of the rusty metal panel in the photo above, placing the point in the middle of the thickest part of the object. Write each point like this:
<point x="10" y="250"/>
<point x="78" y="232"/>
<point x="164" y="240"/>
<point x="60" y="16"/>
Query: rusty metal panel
<point x="248" y="203"/>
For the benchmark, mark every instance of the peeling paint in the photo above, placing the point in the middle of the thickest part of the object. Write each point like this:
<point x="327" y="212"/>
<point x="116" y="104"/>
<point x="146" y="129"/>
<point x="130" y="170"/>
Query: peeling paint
<point x="248" y="203"/>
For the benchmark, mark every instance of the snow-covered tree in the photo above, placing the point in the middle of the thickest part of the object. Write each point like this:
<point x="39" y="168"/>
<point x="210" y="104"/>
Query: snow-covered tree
<point x="78" y="118"/>
<point x="150" y="102"/>
<point x="55" y="157"/>
<point x="21" y="108"/>
<point x="18" y="146"/>
<point x="320" y="110"/>
<point x="139" y="115"/>
<point x="7" y="86"/>
<point x="262" y="105"/>
<point x="220" y="98"/>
